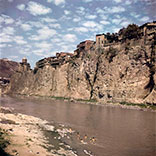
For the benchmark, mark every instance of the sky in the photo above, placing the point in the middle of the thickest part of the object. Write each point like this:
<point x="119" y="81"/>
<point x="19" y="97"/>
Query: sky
<point x="36" y="29"/>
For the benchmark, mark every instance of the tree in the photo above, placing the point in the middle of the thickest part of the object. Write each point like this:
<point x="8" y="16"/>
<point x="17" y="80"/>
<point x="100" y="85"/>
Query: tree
<point x="132" y="31"/>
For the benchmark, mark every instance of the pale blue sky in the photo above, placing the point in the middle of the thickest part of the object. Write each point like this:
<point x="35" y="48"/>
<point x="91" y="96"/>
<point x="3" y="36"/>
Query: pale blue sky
<point x="40" y="28"/>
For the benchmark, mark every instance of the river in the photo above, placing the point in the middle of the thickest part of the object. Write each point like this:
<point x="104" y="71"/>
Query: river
<point x="118" y="131"/>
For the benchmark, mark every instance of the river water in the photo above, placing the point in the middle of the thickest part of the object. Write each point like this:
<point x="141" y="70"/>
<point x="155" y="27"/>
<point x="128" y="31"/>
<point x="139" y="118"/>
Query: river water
<point x="118" y="131"/>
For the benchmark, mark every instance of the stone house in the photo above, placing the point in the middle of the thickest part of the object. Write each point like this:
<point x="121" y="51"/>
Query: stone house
<point x="64" y="55"/>
<point x="24" y="66"/>
<point x="148" y="28"/>
<point x="101" y="39"/>
<point x="82" y="47"/>
<point x="55" y="61"/>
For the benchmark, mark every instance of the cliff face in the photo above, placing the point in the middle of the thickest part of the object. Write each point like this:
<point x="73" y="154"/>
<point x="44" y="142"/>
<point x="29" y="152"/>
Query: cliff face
<point x="120" y="71"/>
<point x="129" y="76"/>
<point x="7" y="68"/>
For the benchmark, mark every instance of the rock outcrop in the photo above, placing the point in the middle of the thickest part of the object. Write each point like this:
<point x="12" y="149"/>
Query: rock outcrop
<point x="7" y="69"/>
<point x="123" y="70"/>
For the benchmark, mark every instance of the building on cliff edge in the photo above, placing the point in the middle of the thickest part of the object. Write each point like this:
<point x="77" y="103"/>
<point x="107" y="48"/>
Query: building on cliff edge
<point x="24" y="65"/>
<point x="147" y="29"/>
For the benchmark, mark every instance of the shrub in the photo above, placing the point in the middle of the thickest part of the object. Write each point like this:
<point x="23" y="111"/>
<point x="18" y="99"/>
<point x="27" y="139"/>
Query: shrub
<point x="3" y="142"/>
<point x="110" y="54"/>
<point x="132" y="31"/>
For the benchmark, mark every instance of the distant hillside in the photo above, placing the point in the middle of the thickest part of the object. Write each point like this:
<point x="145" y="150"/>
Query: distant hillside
<point x="7" y="68"/>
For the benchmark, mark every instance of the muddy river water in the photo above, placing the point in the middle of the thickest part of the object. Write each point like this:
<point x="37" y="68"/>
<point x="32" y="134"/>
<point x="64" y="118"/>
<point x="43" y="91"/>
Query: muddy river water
<point x="117" y="131"/>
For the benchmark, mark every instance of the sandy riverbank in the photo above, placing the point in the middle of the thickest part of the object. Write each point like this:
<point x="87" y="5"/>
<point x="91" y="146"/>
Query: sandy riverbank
<point x="26" y="135"/>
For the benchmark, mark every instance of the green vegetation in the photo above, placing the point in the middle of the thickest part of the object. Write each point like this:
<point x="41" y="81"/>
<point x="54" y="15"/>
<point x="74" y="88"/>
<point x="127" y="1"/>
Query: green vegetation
<point x="142" y="105"/>
<point x="3" y="142"/>
<point x="100" y="50"/>
<point x="132" y="31"/>
<point x="110" y="54"/>
<point x="112" y="37"/>
<point x="65" y="98"/>
<point x="90" y="100"/>
<point x="35" y="70"/>
<point x="60" y="98"/>
<point x="88" y="56"/>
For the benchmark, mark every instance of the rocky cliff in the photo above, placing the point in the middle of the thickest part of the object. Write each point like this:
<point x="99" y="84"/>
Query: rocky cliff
<point x="122" y="70"/>
<point x="7" y="69"/>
